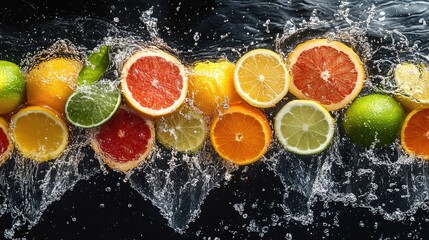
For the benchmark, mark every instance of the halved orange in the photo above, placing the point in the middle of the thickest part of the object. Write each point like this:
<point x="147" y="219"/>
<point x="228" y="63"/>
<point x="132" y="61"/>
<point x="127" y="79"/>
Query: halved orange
<point x="125" y="140"/>
<point x="326" y="71"/>
<point x="39" y="133"/>
<point x="242" y="134"/>
<point x="154" y="82"/>
<point x="6" y="145"/>
<point x="415" y="133"/>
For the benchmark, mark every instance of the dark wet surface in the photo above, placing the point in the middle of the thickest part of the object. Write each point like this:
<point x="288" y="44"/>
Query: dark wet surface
<point x="260" y="201"/>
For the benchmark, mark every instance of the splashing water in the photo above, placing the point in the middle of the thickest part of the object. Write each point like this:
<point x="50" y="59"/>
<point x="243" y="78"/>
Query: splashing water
<point x="178" y="183"/>
<point x="385" y="182"/>
<point x="30" y="187"/>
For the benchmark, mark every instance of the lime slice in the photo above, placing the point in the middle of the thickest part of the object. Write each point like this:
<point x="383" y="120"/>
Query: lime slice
<point x="92" y="105"/>
<point x="184" y="130"/>
<point x="95" y="67"/>
<point x="304" y="127"/>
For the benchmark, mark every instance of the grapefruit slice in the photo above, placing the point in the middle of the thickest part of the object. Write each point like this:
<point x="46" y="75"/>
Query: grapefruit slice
<point x="6" y="145"/>
<point x="125" y="140"/>
<point x="154" y="82"/>
<point x="325" y="71"/>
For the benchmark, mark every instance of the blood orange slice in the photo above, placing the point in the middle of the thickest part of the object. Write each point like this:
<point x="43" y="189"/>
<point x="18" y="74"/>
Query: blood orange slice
<point x="328" y="72"/>
<point x="125" y="140"/>
<point x="6" y="145"/>
<point x="154" y="82"/>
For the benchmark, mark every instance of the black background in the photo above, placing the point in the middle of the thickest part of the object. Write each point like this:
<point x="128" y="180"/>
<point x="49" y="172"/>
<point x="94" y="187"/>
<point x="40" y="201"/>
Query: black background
<point x="127" y="215"/>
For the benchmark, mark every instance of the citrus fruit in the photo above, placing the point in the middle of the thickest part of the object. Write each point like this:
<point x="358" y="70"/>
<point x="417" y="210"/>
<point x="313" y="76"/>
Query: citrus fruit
<point x="241" y="135"/>
<point x="373" y="119"/>
<point x="184" y="130"/>
<point x="95" y="67"/>
<point x="154" y="82"/>
<point x="304" y="127"/>
<point x="412" y="81"/>
<point x="328" y="72"/>
<point x="211" y="86"/>
<point x="39" y="133"/>
<point x="6" y="145"/>
<point x="51" y="82"/>
<point x="125" y="140"/>
<point x="92" y="105"/>
<point x="12" y="87"/>
<point x="415" y="133"/>
<point x="261" y="78"/>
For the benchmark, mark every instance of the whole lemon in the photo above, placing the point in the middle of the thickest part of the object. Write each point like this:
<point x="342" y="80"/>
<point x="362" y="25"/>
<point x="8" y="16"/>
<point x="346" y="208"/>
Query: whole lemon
<point x="211" y="85"/>
<point x="373" y="119"/>
<point x="51" y="82"/>
<point x="12" y="87"/>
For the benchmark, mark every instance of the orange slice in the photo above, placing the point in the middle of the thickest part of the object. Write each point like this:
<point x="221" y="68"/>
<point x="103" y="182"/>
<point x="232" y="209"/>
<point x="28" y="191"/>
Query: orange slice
<point x="415" y="133"/>
<point x="328" y="72"/>
<point x="125" y="140"/>
<point x="6" y="145"/>
<point x="261" y="78"/>
<point x="241" y="135"/>
<point x="39" y="133"/>
<point x="154" y="82"/>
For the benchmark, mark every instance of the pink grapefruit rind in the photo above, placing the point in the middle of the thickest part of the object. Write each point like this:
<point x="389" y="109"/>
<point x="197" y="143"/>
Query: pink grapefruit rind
<point x="339" y="46"/>
<point x="147" y="111"/>
<point x="127" y="165"/>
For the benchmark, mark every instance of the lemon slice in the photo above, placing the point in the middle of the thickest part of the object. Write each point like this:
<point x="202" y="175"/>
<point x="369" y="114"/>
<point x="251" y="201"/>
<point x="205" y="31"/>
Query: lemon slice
<point x="413" y="85"/>
<point x="304" y="127"/>
<point x="261" y="78"/>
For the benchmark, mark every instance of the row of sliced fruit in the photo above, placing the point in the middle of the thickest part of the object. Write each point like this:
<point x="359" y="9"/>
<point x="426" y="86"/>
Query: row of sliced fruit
<point x="180" y="106"/>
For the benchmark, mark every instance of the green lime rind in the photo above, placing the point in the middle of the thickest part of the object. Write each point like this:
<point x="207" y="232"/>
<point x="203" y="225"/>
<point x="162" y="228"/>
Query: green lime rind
<point x="95" y="67"/>
<point x="373" y="120"/>
<point x="92" y="105"/>
<point x="184" y="130"/>
<point x="12" y="86"/>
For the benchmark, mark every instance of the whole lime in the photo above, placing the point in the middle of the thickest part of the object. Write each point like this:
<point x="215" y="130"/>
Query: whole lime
<point x="12" y="86"/>
<point x="373" y="119"/>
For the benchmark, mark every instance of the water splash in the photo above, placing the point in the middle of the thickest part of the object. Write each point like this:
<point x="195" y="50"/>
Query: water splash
<point x="178" y="183"/>
<point x="30" y="187"/>
<point x="385" y="181"/>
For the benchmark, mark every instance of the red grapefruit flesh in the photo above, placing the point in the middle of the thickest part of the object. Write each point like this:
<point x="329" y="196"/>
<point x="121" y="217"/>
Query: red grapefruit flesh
<point x="154" y="82"/>
<point x="125" y="140"/>
<point x="328" y="72"/>
<point x="6" y="145"/>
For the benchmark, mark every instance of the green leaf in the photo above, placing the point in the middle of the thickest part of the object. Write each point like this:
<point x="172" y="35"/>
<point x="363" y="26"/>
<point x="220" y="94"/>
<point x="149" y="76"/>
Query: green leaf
<point x="96" y="66"/>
